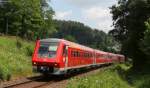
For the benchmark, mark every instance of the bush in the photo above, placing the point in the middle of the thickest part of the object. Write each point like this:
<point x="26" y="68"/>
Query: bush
<point x="15" y="62"/>
<point x="103" y="79"/>
<point x="18" y="44"/>
<point x="29" y="50"/>
<point x="145" y="44"/>
<point x="5" y="73"/>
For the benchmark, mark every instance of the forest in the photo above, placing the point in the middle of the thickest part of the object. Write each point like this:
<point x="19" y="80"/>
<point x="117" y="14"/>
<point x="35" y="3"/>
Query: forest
<point x="131" y="19"/>
<point x="33" y="19"/>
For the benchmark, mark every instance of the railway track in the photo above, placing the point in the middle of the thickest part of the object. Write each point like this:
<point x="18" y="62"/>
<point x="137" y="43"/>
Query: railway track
<point x="32" y="82"/>
<point x="41" y="81"/>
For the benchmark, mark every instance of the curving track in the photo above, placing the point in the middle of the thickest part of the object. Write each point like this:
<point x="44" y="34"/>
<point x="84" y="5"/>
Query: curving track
<point x="34" y="82"/>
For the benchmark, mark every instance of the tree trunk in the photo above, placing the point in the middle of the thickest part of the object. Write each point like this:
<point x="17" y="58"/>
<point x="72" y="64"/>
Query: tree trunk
<point x="139" y="60"/>
<point x="22" y="32"/>
<point x="6" y="30"/>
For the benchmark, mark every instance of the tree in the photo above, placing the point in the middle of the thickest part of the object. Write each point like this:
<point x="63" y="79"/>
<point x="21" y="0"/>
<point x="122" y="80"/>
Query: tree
<point x="27" y="18"/>
<point x="145" y="44"/>
<point x="70" y="38"/>
<point x="129" y="18"/>
<point x="82" y="34"/>
<point x="5" y="15"/>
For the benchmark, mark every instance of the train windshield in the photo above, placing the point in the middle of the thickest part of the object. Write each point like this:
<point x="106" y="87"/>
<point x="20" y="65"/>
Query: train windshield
<point x="47" y="50"/>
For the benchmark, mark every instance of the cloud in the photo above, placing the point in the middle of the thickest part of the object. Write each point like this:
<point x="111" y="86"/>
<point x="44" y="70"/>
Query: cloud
<point x="82" y="3"/>
<point x="104" y="25"/>
<point x="100" y="16"/>
<point x="95" y="13"/>
<point x="89" y="3"/>
<point x="62" y="14"/>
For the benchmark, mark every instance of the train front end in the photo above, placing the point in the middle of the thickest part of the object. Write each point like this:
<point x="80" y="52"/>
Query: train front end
<point x="46" y="56"/>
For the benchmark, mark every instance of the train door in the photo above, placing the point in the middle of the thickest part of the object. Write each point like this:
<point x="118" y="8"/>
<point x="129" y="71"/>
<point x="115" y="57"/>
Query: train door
<point x="94" y="57"/>
<point x="66" y="57"/>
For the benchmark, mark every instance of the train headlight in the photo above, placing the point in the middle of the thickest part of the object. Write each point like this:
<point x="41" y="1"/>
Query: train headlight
<point x="55" y="64"/>
<point x="34" y="63"/>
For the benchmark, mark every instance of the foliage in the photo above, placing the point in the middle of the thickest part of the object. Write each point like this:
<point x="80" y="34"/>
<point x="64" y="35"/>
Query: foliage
<point x="18" y="44"/>
<point x="137" y="79"/>
<point x="82" y="34"/>
<point x="29" y="50"/>
<point x="32" y="19"/>
<point x="27" y="18"/>
<point x="118" y="76"/>
<point x="129" y="18"/>
<point x="14" y="62"/>
<point x="70" y="38"/>
<point x="103" y="79"/>
<point x="145" y="45"/>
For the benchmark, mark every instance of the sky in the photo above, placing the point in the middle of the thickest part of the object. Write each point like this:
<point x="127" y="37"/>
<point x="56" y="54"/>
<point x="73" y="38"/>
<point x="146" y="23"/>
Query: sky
<point x="93" y="13"/>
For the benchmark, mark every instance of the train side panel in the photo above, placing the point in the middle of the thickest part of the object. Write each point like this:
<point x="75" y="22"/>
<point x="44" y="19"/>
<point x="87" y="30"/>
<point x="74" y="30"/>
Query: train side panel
<point x="79" y="58"/>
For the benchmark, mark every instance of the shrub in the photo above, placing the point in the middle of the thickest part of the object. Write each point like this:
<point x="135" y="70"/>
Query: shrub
<point x="18" y="44"/>
<point x="13" y="61"/>
<point x="29" y="50"/>
<point x="5" y="73"/>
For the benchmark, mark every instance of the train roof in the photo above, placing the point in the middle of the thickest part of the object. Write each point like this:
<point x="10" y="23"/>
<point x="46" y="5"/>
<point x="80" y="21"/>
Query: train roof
<point x="75" y="45"/>
<point x="50" y="40"/>
<point x="99" y="51"/>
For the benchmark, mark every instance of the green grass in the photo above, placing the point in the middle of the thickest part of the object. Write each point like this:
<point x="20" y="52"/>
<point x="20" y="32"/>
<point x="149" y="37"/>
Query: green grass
<point x="119" y="76"/>
<point x="15" y="57"/>
<point x="103" y="79"/>
<point x="138" y="79"/>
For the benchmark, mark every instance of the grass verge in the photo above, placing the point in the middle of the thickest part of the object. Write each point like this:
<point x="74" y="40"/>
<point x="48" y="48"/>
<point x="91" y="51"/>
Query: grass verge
<point x="15" y="57"/>
<point x="119" y="76"/>
<point x="103" y="79"/>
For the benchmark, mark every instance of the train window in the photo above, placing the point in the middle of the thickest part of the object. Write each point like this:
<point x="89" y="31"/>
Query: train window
<point x="47" y="50"/>
<point x="72" y="53"/>
<point x="85" y="55"/>
<point x="88" y="55"/>
<point x="110" y="57"/>
<point x="105" y="56"/>
<point x="81" y="54"/>
<point x="97" y="56"/>
<point x="75" y="53"/>
<point x="78" y="54"/>
<point x="91" y="55"/>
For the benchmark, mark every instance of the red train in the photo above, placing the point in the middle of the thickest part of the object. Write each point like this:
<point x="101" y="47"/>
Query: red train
<point x="58" y="56"/>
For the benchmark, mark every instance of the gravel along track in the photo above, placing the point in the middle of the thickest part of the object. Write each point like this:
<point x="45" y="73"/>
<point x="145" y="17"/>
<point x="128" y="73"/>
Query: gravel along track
<point x="50" y="81"/>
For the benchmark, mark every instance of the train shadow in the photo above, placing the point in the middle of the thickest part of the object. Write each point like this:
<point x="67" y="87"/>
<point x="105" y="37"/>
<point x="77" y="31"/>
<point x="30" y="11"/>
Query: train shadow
<point x="57" y="78"/>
